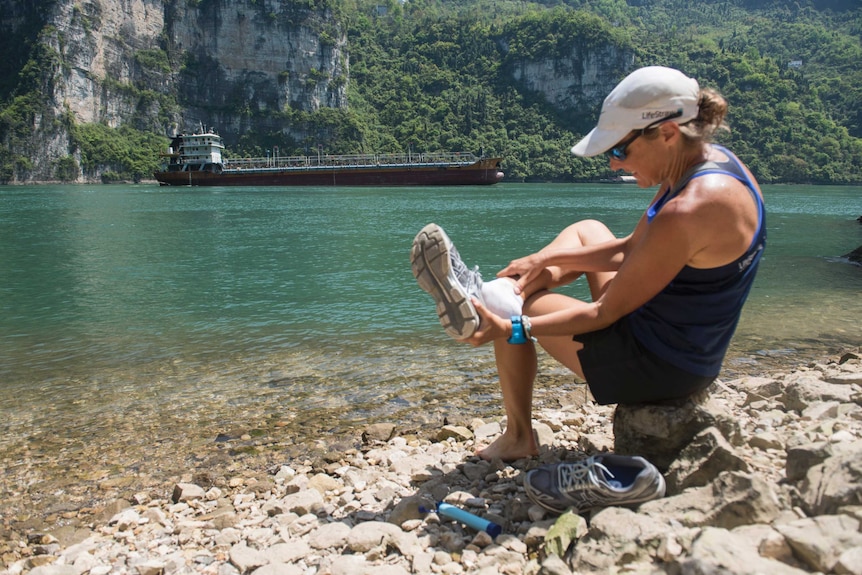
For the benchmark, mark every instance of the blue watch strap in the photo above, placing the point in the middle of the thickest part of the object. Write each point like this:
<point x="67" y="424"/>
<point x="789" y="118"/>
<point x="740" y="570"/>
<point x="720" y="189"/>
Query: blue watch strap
<point x="518" y="336"/>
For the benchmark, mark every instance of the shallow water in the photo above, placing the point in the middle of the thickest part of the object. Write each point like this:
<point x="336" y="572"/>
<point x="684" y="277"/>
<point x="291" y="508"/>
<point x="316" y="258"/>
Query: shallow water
<point x="140" y="323"/>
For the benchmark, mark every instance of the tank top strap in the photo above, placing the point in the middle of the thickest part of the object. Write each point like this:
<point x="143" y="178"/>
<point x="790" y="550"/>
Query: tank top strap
<point x="731" y="167"/>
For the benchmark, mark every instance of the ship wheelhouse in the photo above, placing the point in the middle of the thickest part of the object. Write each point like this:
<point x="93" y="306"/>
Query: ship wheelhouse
<point x="195" y="152"/>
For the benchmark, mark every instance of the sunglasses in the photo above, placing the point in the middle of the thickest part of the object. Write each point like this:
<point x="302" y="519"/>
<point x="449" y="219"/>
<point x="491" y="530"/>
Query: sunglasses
<point x="618" y="152"/>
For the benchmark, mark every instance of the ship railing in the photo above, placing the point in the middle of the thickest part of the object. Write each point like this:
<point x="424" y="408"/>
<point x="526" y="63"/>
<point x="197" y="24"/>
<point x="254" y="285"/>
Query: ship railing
<point x="351" y="160"/>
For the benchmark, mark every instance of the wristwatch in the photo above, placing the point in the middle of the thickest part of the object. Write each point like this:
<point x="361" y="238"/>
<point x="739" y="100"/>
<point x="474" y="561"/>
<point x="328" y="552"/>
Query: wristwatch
<point x="518" y="336"/>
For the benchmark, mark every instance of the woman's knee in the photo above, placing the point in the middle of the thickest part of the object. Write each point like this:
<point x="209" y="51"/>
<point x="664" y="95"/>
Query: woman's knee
<point x="593" y="232"/>
<point x="583" y="233"/>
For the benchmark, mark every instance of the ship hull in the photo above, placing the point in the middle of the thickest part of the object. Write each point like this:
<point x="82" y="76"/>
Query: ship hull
<point x="483" y="172"/>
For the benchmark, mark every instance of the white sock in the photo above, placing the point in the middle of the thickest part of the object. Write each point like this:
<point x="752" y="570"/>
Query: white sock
<point x="499" y="296"/>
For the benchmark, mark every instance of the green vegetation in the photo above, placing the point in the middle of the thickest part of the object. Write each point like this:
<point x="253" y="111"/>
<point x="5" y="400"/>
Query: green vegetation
<point x="128" y="153"/>
<point x="154" y="60"/>
<point x="433" y="74"/>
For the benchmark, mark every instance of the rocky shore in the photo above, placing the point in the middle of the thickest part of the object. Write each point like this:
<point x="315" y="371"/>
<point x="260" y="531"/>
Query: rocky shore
<point x="764" y="475"/>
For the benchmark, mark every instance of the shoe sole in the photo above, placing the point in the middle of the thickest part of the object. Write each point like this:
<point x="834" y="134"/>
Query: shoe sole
<point x="538" y="497"/>
<point x="431" y="265"/>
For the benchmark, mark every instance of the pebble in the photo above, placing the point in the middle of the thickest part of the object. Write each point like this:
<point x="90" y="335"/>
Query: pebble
<point x="791" y="504"/>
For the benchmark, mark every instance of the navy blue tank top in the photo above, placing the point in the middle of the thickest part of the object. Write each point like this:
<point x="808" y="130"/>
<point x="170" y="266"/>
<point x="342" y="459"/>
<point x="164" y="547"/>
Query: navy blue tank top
<point x="691" y="321"/>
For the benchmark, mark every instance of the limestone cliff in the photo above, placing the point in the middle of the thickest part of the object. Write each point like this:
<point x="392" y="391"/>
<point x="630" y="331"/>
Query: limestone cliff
<point x="575" y="81"/>
<point x="167" y="65"/>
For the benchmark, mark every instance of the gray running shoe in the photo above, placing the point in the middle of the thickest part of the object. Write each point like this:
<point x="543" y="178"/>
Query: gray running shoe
<point x="440" y="271"/>
<point x="595" y="482"/>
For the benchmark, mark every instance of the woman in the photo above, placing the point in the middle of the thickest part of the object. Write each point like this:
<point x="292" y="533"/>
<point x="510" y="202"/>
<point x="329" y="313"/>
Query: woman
<point x="665" y="299"/>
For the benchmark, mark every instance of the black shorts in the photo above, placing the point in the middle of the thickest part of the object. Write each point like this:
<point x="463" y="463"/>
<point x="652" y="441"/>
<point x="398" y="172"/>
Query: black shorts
<point x="619" y="369"/>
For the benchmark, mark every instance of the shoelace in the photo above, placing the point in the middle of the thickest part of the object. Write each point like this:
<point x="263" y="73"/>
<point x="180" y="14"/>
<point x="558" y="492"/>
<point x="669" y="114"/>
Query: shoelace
<point x="470" y="279"/>
<point x="576" y="476"/>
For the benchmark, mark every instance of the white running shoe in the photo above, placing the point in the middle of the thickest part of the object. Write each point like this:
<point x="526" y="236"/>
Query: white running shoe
<point x="595" y="482"/>
<point x="440" y="271"/>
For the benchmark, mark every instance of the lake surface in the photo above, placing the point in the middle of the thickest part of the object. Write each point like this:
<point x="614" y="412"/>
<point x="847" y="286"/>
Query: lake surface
<point x="148" y="312"/>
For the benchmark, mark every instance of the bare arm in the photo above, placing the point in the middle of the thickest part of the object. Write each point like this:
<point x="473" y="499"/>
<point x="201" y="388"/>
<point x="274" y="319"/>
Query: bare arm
<point x="606" y="256"/>
<point x="656" y="254"/>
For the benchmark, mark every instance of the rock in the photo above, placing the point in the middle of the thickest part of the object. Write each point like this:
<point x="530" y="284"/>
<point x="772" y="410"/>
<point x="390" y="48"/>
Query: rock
<point x="553" y="565"/>
<point x="125" y="520"/>
<point x="731" y="500"/>
<point x="802" y="458"/>
<point x="245" y="558"/>
<point x="567" y="529"/>
<point x="834" y="483"/>
<point x="371" y="534"/>
<point x="476" y="471"/>
<point x="302" y="502"/>
<point x="111" y="509"/>
<point x="821" y="410"/>
<point x="702" y="461"/>
<point x="286" y="552"/>
<point x="768" y="542"/>
<point x="766" y="440"/>
<point x="856" y="255"/>
<point x="759" y="388"/>
<point x="350" y="565"/>
<point x="330" y="536"/>
<point x="410" y="508"/>
<point x="660" y="431"/>
<point x="721" y="551"/>
<point x="819" y="541"/>
<point x="849" y="562"/>
<point x="419" y="467"/>
<point x="70" y="535"/>
<point x="151" y="567"/>
<point x="616" y="534"/>
<point x="487" y="430"/>
<point x="544" y="434"/>
<point x="378" y="432"/>
<point x="803" y="390"/>
<point x="54" y="570"/>
<point x="852" y="378"/>
<point x="457" y="432"/>
<point x="187" y="492"/>
<point x="323" y="483"/>
<point x="278" y="569"/>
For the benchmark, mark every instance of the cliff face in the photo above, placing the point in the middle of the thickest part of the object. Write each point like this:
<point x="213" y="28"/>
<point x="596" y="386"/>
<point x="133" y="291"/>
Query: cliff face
<point x="97" y="75"/>
<point x="577" y="81"/>
<point x="167" y="65"/>
<point x="244" y="60"/>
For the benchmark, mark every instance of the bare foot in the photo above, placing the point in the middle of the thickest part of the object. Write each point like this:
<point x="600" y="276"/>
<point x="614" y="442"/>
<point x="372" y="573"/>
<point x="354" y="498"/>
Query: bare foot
<point x="510" y="448"/>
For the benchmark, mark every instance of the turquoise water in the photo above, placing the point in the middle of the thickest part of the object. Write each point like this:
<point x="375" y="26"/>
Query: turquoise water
<point x="227" y="303"/>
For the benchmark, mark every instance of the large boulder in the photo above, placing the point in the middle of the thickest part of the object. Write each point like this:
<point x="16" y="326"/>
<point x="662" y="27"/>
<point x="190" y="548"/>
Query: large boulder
<point x="660" y="431"/>
<point x="855" y="256"/>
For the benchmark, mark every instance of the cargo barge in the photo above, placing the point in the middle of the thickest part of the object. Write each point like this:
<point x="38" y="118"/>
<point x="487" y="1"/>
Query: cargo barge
<point x="197" y="160"/>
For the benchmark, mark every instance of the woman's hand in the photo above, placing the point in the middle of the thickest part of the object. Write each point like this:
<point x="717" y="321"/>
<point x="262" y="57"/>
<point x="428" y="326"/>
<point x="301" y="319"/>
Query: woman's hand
<point x="524" y="270"/>
<point x="491" y="326"/>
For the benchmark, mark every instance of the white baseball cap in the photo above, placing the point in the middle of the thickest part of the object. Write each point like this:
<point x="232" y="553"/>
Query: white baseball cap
<point x="643" y="97"/>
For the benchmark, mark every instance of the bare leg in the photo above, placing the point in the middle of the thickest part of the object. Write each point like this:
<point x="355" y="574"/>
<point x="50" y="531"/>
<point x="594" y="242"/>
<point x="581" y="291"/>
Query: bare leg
<point x="517" y="364"/>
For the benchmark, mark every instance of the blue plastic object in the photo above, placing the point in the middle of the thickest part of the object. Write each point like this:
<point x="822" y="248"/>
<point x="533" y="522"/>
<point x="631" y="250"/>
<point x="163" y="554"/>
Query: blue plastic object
<point x="518" y="336"/>
<point x="467" y="518"/>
